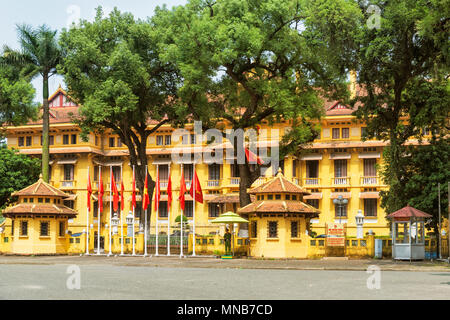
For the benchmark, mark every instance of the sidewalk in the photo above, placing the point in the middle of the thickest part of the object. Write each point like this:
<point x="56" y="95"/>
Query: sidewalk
<point x="244" y="263"/>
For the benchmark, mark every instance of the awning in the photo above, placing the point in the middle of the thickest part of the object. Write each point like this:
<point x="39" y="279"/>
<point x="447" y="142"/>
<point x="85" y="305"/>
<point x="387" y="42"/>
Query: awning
<point x="369" y="195"/>
<point x="315" y="195"/>
<point x="312" y="156"/>
<point x="339" y="156"/>
<point x="67" y="161"/>
<point x="369" y="155"/>
<point x="345" y="195"/>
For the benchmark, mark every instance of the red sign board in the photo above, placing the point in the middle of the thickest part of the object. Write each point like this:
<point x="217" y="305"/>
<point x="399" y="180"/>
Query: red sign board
<point x="335" y="235"/>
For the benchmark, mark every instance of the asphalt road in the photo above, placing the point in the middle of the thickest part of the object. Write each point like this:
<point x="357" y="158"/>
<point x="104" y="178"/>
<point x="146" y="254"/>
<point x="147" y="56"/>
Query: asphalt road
<point x="31" y="281"/>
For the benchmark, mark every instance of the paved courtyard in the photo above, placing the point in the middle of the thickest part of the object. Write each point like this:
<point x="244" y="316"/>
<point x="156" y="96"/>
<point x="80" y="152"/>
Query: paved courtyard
<point x="208" y="278"/>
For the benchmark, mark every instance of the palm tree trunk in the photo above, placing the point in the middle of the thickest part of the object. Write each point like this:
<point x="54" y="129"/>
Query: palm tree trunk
<point x="45" y="131"/>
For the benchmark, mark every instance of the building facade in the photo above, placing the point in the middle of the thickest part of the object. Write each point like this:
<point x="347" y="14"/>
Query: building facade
<point x="337" y="163"/>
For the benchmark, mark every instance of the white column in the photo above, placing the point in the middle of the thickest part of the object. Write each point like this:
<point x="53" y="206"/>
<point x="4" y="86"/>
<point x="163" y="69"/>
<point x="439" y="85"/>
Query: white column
<point x="110" y="208"/>
<point x="99" y="210"/>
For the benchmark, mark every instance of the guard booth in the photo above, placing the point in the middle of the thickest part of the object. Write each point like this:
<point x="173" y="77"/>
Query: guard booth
<point x="408" y="233"/>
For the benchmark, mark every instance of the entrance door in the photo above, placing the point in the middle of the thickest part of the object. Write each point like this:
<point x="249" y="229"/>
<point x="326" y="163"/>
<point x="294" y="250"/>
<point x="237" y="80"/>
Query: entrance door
<point x="102" y="241"/>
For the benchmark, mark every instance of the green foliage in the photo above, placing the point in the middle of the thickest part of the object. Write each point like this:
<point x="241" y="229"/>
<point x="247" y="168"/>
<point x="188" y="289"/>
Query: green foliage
<point x="248" y="61"/>
<point x="17" y="171"/>
<point x="112" y="69"/>
<point x="422" y="168"/>
<point x="403" y="75"/>
<point x="16" y="97"/>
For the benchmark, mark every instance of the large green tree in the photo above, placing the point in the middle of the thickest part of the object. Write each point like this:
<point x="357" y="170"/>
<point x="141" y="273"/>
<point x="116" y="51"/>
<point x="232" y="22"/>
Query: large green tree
<point x="243" y="62"/>
<point x="17" y="171"/>
<point x="39" y="55"/>
<point x="112" y="68"/>
<point x="403" y="76"/>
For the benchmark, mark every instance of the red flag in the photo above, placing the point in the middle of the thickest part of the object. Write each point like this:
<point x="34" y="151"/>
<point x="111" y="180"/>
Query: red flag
<point x="145" y="196"/>
<point x="198" y="189"/>
<point x="89" y="193"/>
<point x="252" y="158"/>
<point x="182" y="190"/>
<point x="100" y="194"/>
<point x="115" y="193"/>
<point x="122" y="189"/>
<point x="157" y="191"/>
<point x="169" y="193"/>
<point x="133" y="196"/>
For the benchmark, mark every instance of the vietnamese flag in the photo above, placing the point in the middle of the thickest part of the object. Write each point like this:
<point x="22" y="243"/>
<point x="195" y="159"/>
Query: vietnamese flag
<point x="115" y="193"/>
<point x="169" y="193"/>
<point x="133" y="195"/>
<point x="145" y="196"/>
<point x="89" y="191"/>
<point x="100" y="194"/>
<point x="182" y="190"/>
<point x="198" y="189"/>
<point x="157" y="191"/>
<point x="122" y="189"/>
<point x="252" y="158"/>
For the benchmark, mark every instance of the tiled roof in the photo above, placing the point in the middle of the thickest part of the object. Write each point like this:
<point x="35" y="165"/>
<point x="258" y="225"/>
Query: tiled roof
<point x="408" y="212"/>
<point x="279" y="184"/>
<point x="47" y="208"/>
<point x="279" y="206"/>
<point x="41" y="188"/>
<point x="228" y="198"/>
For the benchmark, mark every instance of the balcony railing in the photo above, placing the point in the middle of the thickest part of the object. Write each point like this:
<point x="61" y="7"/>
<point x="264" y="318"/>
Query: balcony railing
<point x="108" y="186"/>
<point x="259" y="181"/>
<point x="296" y="180"/>
<point x="312" y="181"/>
<point x="235" y="180"/>
<point x="163" y="183"/>
<point x="188" y="183"/>
<point x="369" y="180"/>
<point x="213" y="183"/>
<point x="68" y="184"/>
<point x="339" y="181"/>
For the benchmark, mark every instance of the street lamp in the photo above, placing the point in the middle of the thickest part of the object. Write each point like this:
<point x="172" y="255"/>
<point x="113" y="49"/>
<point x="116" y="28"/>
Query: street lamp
<point x="359" y="225"/>
<point x="115" y="223"/>
<point x="340" y="202"/>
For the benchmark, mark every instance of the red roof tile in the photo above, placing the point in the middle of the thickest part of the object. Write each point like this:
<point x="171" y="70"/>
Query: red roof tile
<point x="279" y="206"/>
<point x="278" y="184"/>
<point x="41" y="188"/>
<point x="408" y="212"/>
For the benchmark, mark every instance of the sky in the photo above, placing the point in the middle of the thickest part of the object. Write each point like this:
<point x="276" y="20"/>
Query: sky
<point x="60" y="14"/>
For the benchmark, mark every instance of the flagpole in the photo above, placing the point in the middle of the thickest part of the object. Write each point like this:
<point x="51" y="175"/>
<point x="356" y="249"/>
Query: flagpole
<point x="121" y="213"/>
<point x="168" y="219"/>
<point x="87" y="217"/>
<point x="157" y="211"/>
<point x="99" y="212"/>
<point x="145" y="228"/>
<point x="110" y="207"/>
<point x="181" y="234"/>
<point x="134" y="252"/>
<point x="193" y="213"/>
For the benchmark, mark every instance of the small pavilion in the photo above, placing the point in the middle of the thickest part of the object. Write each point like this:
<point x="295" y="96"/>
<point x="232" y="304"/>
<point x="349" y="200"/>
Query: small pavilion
<point x="408" y="233"/>
<point x="39" y="220"/>
<point x="279" y="219"/>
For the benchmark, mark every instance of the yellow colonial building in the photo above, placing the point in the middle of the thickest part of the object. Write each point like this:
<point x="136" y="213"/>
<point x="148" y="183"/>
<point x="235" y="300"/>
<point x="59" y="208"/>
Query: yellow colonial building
<point x="336" y="164"/>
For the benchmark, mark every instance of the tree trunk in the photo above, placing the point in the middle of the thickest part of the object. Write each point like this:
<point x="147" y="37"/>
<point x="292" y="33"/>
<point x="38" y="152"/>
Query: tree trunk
<point x="45" y="131"/>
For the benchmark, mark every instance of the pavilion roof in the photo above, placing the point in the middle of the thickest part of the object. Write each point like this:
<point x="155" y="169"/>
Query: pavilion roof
<point x="40" y="208"/>
<point x="41" y="188"/>
<point x="408" y="212"/>
<point x="279" y="184"/>
<point x="279" y="206"/>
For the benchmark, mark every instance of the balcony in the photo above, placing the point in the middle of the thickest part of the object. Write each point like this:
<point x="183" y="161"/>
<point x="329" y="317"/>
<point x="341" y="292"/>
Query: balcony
<point x="213" y="183"/>
<point x="187" y="183"/>
<point x="163" y="184"/>
<point x="68" y="184"/>
<point x="295" y="180"/>
<point x="258" y="182"/>
<point x="369" y="181"/>
<point x="340" y="181"/>
<point x="235" y="181"/>
<point x="312" y="181"/>
<point x="108" y="186"/>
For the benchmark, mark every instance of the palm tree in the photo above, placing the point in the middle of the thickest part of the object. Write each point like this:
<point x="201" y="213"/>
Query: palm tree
<point x="39" y="55"/>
